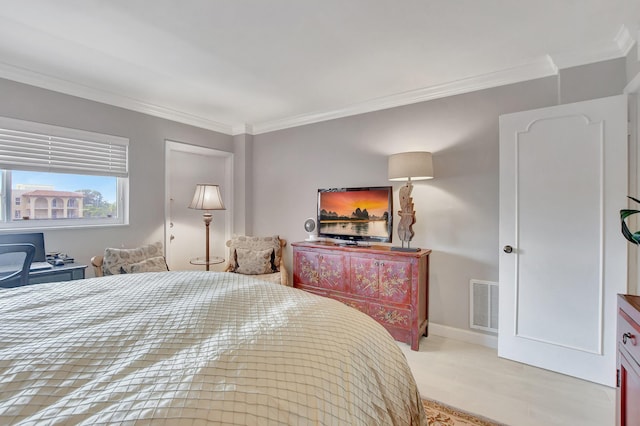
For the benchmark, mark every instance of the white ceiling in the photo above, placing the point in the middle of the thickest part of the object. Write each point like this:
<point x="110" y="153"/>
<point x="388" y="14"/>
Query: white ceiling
<point x="240" y="66"/>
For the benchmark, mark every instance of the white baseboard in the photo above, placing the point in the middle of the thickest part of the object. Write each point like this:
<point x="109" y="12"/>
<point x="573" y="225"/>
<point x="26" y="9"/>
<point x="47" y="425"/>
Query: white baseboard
<point x="464" y="335"/>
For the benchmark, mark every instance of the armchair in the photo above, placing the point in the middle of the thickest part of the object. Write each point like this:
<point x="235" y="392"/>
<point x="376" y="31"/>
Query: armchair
<point x="260" y="257"/>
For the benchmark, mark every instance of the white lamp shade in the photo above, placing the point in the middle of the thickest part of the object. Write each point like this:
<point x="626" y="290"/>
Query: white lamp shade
<point x="414" y="165"/>
<point x="207" y="197"/>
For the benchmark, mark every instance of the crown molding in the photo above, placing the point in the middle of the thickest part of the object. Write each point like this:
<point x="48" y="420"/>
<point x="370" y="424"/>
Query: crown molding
<point x="242" y="129"/>
<point x="548" y="65"/>
<point x="26" y="76"/>
<point x="543" y="67"/>
<point x="624" y="40"/>
<point x="604" y="51"/>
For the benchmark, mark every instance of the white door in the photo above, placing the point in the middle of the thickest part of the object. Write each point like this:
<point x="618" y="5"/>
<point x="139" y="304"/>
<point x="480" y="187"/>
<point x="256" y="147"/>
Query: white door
<point x="563" y="180"/>
<point x="186" y="166"/>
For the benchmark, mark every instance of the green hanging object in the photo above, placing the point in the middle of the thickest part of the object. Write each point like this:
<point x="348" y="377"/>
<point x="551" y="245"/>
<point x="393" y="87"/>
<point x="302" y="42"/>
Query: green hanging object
<point x="625" y="213"/>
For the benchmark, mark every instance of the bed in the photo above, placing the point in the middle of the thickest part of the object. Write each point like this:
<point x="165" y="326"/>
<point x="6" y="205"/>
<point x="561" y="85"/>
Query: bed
<point x="196" y="348"/>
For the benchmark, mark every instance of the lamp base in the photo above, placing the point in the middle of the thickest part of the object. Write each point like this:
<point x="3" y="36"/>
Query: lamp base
<point x="407" y="249"/>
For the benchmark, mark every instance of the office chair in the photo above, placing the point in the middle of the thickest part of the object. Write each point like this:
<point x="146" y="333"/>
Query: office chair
<point x="15" y="261"/>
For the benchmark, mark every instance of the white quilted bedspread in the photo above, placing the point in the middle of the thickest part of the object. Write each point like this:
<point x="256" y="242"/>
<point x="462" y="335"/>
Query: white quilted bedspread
<point x="195" y="348"/>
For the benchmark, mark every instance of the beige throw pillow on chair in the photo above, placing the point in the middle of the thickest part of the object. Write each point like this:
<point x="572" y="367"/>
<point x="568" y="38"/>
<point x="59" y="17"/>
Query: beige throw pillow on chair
<point x="253" y="262"/>
<point x="115" y="259"/>
<point x="256" y="244"/>
<point x="153" y="264"/>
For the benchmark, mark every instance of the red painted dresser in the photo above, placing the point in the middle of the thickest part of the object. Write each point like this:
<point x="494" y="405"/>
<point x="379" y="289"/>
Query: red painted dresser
<point x="628" y="410"/>
<point x="390" y="286"/>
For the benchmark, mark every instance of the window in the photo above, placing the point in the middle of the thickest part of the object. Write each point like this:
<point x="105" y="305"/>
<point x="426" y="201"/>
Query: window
<point x="60" y="177"/>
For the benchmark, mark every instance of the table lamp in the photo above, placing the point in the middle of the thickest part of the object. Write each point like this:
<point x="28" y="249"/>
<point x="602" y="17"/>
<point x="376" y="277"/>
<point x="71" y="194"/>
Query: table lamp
<point x="207" y="197"/>
<point x="408" y="166"/>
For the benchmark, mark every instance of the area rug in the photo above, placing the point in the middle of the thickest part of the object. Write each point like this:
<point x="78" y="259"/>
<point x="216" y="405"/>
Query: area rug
<point x="439" y="414"/>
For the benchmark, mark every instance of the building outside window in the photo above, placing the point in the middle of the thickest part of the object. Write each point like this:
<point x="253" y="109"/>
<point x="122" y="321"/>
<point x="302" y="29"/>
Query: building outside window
<point x="44" y="202"/>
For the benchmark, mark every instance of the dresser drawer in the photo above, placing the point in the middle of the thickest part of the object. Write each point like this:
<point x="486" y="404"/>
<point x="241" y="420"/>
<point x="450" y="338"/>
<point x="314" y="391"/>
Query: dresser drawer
<point x="389" y="315"/>
<point x="629" y="336"/>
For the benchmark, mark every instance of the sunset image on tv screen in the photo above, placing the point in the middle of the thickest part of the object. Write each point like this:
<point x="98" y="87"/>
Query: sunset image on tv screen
<point x="345" y="204"/>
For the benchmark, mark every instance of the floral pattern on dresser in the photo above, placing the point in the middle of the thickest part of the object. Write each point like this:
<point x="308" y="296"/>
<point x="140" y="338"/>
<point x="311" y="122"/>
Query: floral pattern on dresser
<point x="306" y="267"/>
<point x="324" y="270"/>
<point x="330" y="275"/>
<point x="364" y="276"/>
<point x="395" y="281"/>
<point x="391" y="316"/>
<point x="330" y="271"/>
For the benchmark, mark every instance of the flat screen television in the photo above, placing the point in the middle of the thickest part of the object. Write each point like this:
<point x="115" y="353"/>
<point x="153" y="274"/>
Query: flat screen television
<point x="356" y="214"/>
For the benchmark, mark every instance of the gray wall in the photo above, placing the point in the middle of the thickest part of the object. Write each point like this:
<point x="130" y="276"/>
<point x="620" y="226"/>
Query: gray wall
<point x="456" y="213"/>
<point x="146" y="147"/>
<point x="593" y="81"/>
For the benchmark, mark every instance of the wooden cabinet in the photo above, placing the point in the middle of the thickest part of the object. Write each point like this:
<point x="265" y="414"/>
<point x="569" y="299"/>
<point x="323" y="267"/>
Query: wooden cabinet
<point x="390" y="286"/>
<point x="628" y="411"/>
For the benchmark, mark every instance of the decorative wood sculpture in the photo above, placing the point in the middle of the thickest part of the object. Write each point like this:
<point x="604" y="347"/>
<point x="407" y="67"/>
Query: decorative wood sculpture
<point x="407" y="215"/>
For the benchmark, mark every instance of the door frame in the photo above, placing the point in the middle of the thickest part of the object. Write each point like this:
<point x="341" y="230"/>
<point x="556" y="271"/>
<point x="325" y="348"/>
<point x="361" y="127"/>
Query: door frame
<point x="172" y="146"/>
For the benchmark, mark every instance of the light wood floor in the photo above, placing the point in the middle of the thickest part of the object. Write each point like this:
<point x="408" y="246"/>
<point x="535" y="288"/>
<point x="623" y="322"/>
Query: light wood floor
<point x="473" y="378"/>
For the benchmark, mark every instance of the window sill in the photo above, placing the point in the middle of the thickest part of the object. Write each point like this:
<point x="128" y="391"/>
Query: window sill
<point x="35" y="225"/>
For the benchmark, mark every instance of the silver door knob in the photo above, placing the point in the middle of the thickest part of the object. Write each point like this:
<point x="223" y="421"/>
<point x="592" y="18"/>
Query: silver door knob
<point x="508" y="249"/>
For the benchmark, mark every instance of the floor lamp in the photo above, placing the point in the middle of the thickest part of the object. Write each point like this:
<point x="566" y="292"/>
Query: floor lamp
<point x="207" y="197"/>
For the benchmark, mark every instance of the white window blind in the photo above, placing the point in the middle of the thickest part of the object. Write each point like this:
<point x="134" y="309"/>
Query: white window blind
<point x="32" y="146"/>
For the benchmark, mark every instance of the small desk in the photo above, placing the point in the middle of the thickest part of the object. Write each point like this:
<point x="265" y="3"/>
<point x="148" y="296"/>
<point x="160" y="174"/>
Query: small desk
<point x="68" y="272"/>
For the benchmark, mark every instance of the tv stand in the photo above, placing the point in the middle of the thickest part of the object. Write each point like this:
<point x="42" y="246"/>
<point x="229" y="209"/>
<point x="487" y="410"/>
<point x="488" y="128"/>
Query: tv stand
<point x="392" y="287"/>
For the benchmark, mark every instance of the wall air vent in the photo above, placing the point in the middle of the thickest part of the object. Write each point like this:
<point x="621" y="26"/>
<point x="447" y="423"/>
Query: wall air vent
<point x="483" y="306"/>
